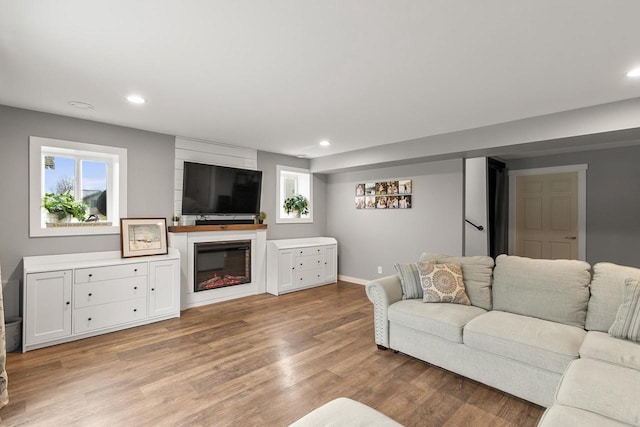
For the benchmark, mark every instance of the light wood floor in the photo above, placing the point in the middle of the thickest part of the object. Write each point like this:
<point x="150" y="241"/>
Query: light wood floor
<point x="257" y="361"/>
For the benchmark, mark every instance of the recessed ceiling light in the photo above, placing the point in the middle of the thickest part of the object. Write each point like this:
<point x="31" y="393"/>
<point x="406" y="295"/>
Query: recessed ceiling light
<point x="325" y="143"/>
<point x="301" y="156"/>
<point x="634" y="73"/>
<point x="136" y="99"/>
<point x="81" y="105"/>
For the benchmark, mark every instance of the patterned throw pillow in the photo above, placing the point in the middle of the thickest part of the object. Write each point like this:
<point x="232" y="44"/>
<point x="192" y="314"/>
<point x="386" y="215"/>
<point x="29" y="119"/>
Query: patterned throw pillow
<point x="410" y="280"/>
<point x="442" y="283"/>
<point x="627" y="323"/>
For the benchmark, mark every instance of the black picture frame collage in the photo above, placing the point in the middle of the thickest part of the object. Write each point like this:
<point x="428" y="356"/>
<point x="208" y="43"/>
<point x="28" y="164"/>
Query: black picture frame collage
<point x="393" y="194"/>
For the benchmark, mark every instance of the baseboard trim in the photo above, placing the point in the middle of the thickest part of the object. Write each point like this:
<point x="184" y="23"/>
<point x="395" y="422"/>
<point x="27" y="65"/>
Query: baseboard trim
<point x="353" y="280"/>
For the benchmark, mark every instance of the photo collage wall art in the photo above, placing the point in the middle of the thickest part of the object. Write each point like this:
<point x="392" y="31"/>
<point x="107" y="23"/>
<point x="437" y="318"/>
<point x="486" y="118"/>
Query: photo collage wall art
<point x="384" y="195"/>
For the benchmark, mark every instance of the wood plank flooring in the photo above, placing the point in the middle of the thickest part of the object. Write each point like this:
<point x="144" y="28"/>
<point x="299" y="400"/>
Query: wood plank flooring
<point x="256" y="361"/>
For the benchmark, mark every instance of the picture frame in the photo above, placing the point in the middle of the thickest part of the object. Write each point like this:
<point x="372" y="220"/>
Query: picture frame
<point x="143" y="237"/>
<point x="390" y="194"/>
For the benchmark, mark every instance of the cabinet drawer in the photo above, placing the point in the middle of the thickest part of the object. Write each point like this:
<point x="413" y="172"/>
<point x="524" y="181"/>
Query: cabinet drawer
<point x="308" y="277"/>
<point x="313" y="250"/>
<point x="308" y="262"/>
<point x="106" y="315"/>
<point x="107" y="291"/>
<point x="86" y="275"/>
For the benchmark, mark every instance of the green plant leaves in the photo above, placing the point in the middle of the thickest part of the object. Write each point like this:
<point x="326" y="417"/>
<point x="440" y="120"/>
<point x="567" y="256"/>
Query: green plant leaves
<point x="64" y="205"/>
<point x="297" y="203"/>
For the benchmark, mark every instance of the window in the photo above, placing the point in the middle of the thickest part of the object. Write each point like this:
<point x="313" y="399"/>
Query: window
<point x="88" y="180"/>
<point x="292" y="181"/>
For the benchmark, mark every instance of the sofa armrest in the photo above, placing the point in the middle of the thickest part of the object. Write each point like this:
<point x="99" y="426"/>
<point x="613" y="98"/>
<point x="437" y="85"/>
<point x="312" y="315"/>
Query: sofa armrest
<point x="382" y="293"/>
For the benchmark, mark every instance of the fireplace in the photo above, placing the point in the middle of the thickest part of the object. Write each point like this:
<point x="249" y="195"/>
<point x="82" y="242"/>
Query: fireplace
<point x="221" y="264"/>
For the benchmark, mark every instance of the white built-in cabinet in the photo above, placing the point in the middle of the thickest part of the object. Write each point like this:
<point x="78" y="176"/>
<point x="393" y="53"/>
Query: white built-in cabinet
<point x="294" y="264"/>
<point x="68" y="297"/>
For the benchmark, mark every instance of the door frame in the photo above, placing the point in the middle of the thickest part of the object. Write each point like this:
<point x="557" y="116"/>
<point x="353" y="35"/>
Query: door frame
<point x="581" y="169"/>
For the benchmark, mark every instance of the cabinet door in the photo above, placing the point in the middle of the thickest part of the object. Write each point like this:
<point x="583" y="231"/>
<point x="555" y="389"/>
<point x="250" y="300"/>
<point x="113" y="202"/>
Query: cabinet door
<point x="286" y="270"/>
<point x="48" y="306"/>
<point x="330" y="264"/>
<point x="164" y="287"/>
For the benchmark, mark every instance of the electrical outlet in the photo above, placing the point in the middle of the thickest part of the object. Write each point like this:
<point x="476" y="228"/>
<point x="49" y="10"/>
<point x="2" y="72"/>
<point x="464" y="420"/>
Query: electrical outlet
<point x="379" y="269"/>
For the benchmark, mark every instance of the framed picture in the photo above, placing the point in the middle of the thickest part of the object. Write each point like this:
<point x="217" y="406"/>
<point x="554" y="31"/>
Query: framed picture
<point x="391" y="194"/>
<point x="370" y="189"/>
<point x="404" y="186"/>
<point x="143" y="236"/>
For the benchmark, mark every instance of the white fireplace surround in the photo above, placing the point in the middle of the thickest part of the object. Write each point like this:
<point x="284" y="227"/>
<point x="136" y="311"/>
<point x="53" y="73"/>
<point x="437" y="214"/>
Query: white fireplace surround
<point x="185" y="243"/>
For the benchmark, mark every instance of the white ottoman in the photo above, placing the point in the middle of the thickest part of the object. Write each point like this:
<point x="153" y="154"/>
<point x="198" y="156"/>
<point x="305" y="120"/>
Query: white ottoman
<point x="345" y="412"/>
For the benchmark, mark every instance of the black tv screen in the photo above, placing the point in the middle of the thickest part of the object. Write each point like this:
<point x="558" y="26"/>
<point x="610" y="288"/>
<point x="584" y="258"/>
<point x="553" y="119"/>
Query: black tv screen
<point x="220" y="190"/>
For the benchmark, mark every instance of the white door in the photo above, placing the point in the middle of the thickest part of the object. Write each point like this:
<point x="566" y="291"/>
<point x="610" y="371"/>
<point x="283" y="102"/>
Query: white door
<point x="48" y="304"/>
<point x="164" y="292"/>
<point x="330" y="267"/>
<point x="546" y="216"/>
<point x="286" y="270"/>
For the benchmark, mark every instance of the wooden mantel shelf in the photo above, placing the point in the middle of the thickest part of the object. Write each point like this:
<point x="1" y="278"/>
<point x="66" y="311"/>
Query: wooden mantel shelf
<point x="226" y="227"/>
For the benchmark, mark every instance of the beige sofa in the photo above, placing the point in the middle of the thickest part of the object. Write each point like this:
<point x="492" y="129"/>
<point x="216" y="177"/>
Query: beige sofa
<point x="529" y="323"/>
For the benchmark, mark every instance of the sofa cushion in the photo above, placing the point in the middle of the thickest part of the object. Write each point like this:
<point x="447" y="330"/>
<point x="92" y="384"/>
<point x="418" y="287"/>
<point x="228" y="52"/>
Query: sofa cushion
<point x="627" y="323"/>
<point x="442" y="283"/>
<point x="602" y="346"/>
<point x="607" y="291"/>
<point x="541" y="343"/>
<point x="603" y="388"/>
<point x="476" y="274"/>
<point x="409" y="279"/>
<point x="566" y="416"/>
<point x="555" y="290"/>
<point x="440" y="319"/>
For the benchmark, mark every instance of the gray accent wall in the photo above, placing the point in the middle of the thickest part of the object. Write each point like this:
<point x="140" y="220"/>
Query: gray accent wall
<point x="150" y="179"/>
<point x="613" y="200"/>
<point x="267" y="163"/>
<point x="368" y="238"/>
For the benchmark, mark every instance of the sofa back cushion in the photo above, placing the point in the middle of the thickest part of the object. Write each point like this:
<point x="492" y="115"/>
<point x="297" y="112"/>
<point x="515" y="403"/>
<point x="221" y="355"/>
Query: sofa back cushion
<point x="555" y="290"/>
<point x="476" y="275"/>
<point x="607" y="292"/>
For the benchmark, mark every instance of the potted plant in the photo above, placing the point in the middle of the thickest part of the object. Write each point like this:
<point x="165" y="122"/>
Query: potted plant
<point x="298" y="204"/>
<point x="176" y="220"/>
<point x="261" y="217"/>
<point x="64" y="206"/>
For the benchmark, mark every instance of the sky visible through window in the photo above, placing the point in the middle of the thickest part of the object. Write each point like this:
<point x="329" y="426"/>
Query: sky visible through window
<point x="94" y="175"/>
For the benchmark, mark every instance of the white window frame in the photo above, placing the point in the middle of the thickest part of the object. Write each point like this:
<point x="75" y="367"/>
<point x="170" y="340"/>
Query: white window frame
<point x="116" y="184"/>
<point x="304" y="178"/>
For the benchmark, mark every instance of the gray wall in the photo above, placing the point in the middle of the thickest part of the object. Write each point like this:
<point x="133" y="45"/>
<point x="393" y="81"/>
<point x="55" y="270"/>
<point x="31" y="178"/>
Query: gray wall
<point x="371" y="238"/>
<point x="267" y="163"/>
<point x="150" y="184"/>
<point x="613" y="200"/>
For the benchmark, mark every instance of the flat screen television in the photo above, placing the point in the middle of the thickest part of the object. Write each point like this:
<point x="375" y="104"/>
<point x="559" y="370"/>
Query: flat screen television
<point x="220" y="190"/>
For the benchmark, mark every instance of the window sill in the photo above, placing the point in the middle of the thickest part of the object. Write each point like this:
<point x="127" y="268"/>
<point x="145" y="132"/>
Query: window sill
<point x="75" y="229"/>
<point x="78" y="224"/>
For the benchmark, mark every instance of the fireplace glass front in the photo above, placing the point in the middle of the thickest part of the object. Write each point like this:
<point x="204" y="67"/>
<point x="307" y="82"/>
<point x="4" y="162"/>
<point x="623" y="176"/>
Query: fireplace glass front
<point x="222" y="264"/>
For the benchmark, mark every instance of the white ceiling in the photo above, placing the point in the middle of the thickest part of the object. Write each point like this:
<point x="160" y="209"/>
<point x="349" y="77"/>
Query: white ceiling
<point x="281" y="75"/>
